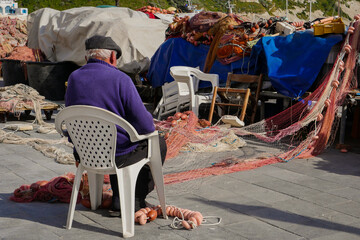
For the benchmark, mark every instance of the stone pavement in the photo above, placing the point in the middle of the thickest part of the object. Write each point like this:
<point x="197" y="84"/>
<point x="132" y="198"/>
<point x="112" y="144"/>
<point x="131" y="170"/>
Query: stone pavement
<point x="316" y="198"/>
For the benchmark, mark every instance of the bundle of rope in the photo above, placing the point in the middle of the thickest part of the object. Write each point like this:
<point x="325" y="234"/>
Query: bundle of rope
<point x="183" y="218"/>
<point x="45" y="146"/>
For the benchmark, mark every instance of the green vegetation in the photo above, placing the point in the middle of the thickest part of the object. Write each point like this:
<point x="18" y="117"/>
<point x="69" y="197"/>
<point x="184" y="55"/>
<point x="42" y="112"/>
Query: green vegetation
<point x="249" y="7"/>
<point x="328" y="7"/>
<point x="303" y="15"/>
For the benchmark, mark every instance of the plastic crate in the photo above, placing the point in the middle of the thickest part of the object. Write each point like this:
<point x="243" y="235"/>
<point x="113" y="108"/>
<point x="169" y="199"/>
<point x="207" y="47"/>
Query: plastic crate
<point x="336" y="26"/>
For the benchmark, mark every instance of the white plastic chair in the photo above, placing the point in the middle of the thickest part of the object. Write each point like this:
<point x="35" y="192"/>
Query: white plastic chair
<point x="170" y="99"/>
<point x="188" y="79"/>
<point x="93" y="133"/>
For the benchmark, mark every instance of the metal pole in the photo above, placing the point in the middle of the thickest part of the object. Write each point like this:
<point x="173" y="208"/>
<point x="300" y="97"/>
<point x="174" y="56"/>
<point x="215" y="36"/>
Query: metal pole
<point x="310" y="11"/>
<point x="286" y="9"/>
<point x="339" y="8"/>
<point x="229" y="6"/>
<point x="343" y="124"/>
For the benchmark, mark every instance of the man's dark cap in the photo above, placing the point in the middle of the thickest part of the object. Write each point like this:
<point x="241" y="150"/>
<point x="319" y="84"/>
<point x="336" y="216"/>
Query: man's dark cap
<point x="101" y="42"/>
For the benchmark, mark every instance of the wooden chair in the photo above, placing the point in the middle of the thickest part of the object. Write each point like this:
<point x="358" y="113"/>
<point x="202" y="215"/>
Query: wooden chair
<point x="244" y="94"/>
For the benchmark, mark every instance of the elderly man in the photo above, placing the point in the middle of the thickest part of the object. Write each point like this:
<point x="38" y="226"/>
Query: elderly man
<point x="99" y="83"/>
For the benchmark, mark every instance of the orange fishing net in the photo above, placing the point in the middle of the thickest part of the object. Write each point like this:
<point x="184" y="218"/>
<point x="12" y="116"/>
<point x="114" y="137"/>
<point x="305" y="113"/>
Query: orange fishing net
<point x="303" y="130"/>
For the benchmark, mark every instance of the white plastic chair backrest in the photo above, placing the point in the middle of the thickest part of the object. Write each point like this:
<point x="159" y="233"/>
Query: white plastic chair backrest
<point x="201" y="76"/>
<point x="185" y="82"/>
<point x="93" y="133"/>
<point x="194" y="75"/>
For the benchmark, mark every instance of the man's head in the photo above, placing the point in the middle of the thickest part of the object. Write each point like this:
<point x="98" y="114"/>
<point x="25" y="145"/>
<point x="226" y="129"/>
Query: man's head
<point x="103" y="48"/>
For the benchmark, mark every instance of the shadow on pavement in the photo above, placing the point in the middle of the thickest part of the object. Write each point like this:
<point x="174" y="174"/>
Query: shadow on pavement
<point x="276" y="215"/>
<point x="50" y="214"/>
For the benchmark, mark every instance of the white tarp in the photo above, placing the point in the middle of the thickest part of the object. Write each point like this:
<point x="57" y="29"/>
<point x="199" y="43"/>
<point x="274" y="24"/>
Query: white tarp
<point x="61" y="35"/>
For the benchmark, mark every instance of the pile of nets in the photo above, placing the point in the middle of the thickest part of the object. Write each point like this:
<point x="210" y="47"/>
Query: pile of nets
<point x="151" y="9"/>
<point x="15" y="99"/>
<point x="303" y="130"/>
<point x="18" y="97"/>
<point x="230" y="36"/>
<point x="23" y="53"/>
<point x="59" y="189"/>
<point x="185" y="132"/>
<point x="13" y="34"/>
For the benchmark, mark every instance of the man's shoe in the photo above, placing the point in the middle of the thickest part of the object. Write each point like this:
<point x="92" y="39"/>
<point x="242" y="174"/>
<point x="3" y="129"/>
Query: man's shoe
<point x="114" y="211"/>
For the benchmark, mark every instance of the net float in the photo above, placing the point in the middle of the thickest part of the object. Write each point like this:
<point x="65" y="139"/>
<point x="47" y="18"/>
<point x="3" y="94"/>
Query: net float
<point x="335" y="83"/>
<point x="173" y="123"/>
<point x="152" y="215"/>
<point x="192" y="219"/>
<point x="348" y="48"/>
<point x="184" y="116"/>
<point x="327" y="102"/>
<point x="319" y="117"/>
<point x="142" y="219"/>
<point x="186" y="224"/>
<point x="315" y="138"/>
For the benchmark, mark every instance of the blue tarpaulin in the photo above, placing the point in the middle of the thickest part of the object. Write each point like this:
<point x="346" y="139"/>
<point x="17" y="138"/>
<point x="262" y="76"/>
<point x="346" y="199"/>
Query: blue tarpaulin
<point x="292" y="63"/>
<point x="179" y="52"/>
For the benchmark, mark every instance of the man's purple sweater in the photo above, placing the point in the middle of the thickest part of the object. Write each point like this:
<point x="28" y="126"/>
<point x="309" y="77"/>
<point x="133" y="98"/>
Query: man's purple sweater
<point x="101" y="85"/>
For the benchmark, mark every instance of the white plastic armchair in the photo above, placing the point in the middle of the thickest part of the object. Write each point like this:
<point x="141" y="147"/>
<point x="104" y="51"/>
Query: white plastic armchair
<point x="189" y="78"/>
<point x="172" y="97"/>
<point x="93" y="133"/>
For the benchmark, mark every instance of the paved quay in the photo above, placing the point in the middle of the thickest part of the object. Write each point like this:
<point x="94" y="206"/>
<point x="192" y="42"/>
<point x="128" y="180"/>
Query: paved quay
<point x="317" y="198"/>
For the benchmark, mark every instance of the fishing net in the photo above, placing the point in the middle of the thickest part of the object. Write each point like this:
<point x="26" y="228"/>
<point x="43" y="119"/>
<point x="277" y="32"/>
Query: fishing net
<point x="305" y="129"/>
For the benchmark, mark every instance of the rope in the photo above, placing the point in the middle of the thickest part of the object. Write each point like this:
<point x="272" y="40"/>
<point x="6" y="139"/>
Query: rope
<point x="177" y="222"/>
<point x="22" y="95"/>
<point x="42" y="145"/>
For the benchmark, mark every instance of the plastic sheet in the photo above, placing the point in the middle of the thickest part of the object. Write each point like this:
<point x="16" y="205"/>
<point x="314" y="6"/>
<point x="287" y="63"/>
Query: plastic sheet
<point x="292" y="63"/>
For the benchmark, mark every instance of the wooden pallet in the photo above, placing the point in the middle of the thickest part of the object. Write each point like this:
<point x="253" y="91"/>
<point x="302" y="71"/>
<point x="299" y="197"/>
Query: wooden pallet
<point x="47" y="108"/>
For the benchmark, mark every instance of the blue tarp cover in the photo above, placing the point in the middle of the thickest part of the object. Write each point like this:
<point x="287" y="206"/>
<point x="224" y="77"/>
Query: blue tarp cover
<point x="292" y="63"/>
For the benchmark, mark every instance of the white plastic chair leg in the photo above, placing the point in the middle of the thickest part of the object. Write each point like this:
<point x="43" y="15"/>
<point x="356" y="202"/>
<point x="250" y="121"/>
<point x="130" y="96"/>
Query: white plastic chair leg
<point x="127" y="181"/>
<point x="195" y="109"/>
<point x="74" y="194"/>
<point x="158" y="106"/>
<point x="96" y="182"/>
<point x="160" y="113"/>
<point x="157" y="173"/>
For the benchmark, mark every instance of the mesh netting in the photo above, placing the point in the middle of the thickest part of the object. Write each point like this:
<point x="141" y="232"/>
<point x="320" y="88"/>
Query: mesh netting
<point x="301" y="131"/>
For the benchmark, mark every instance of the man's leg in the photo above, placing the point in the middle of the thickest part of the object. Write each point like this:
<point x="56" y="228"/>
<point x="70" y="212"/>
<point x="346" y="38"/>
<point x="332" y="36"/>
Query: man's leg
<point x="144" y="183"/>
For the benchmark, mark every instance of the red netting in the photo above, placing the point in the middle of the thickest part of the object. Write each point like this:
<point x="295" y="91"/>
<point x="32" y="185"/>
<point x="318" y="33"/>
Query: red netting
<point x="302" y="130"/>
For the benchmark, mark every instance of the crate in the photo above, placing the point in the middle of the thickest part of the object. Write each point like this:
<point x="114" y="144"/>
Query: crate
<point x="336" y="26"/>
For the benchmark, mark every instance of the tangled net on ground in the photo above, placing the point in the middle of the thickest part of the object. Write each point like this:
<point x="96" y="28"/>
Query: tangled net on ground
<point x="301" y="131"/>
